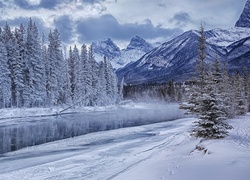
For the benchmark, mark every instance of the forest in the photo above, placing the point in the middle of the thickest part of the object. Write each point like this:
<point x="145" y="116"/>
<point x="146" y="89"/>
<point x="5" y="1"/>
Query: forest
<point x="36" y="73"/>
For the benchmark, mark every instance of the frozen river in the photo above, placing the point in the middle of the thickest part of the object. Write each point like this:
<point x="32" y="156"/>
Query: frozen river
<point x="100" y="155"/>
<point x="17" y="133"/>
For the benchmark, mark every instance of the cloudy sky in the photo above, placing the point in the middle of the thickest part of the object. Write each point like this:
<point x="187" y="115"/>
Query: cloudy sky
<point x="85" y="21"/>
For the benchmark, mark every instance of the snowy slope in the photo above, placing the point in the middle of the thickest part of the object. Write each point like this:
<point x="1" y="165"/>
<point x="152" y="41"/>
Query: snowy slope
<point x="176" y="58"/>
<point x="156" y="151"/>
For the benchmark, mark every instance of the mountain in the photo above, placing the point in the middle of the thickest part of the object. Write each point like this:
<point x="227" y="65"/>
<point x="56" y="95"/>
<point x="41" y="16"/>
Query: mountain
<point x="138" y="43"/>
<point x="244" y="20"/>
<point x="120" y="58"/>
<point x="176" y="58"/>
<point x="106" y="48"/>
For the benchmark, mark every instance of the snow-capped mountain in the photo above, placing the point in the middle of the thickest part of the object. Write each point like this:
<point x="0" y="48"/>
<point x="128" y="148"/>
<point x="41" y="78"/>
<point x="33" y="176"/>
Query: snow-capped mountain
<point x="120" y="58"/>
<point x="106" y="48"/>
<point x="244" y="20"/>
<point x="176" y="59"/>
<point x="138" y="43"/>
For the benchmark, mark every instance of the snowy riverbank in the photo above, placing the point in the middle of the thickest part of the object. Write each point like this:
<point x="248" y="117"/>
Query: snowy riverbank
<point x="155" y="151"/>
<point x="38" y="126"/>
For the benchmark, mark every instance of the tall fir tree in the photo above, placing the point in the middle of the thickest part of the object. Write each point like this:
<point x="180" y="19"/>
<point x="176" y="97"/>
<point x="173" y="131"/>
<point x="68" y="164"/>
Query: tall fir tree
<point x="205" y="97"/>
<point x="5" y="81"/>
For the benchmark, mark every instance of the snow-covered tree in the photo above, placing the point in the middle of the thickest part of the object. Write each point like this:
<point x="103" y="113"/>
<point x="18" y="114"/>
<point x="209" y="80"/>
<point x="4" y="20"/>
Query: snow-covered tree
<point x="93" y="71"/>
<point x="120" y="90"/>
<point x="55" y="64"/>
<point x="240" y="100"/>
<point x="14" y="64"/>
<point x="205" y="97"/>
<point x="5" y="81"/>
<point x="20" y="36"/>
<point x="111" y="82"/>
<point x="101" y="94"/>
<point x="35" y="66"/>
<point x="83" y="74"/>
<point x="87" y="75"/>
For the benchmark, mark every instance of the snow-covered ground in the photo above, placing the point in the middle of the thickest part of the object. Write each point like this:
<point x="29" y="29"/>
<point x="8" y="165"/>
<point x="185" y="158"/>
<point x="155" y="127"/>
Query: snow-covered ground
<point x="156" y="151"/>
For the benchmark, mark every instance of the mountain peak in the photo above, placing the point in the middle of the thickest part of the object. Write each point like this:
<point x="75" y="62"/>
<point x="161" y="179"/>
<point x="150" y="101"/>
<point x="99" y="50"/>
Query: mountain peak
<point x="244" y="20"/>
<point x="139" y="43"/>
<point x="106" y="47"/>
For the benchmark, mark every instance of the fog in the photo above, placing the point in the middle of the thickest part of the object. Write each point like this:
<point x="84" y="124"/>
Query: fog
<point x="16" y="134"/>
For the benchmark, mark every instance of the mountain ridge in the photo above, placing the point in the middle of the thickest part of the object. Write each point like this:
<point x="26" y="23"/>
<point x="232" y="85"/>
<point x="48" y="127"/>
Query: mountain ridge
<point x="121" y="57"/>
<point x="175" y="59"/>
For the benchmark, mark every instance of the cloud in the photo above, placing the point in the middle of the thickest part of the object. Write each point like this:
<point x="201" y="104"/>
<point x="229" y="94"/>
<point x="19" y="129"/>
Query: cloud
<point x="24" y="20"/>
<point x="46" y="4"/>
<point x="24" y="4"/>
<point x="181" y="19"/>
<point x="107" y="26"/>
<point x="66" y="27"/>
<point x="49" y="4"/>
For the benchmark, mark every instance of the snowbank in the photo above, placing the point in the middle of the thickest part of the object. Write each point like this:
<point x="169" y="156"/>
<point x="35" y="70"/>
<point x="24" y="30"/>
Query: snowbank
<point x="156" y="151"/>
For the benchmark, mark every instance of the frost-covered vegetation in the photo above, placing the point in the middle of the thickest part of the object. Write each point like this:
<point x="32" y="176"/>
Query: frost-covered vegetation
<point x="35" y="73"/>
<point x="214" y="96"/>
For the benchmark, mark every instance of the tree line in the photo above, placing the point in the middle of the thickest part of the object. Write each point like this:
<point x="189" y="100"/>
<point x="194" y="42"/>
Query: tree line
<point x="167" y="92"/>
<point x="35" y="73"/>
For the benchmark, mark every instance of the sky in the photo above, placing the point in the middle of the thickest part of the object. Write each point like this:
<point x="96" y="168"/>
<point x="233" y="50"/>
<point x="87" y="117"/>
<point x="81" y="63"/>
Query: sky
<point x="85" y="21"/>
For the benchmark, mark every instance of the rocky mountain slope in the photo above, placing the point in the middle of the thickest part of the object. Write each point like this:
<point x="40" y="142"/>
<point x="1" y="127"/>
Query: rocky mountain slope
<point x="244" y="20"/>
<point x="175" y="59"/>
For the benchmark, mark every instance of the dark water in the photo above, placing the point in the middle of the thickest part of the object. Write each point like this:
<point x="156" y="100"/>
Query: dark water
<point x="18" y="133"/>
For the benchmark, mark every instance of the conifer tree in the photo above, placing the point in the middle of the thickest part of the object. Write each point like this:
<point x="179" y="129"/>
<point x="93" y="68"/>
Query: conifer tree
<point x="205" y="98"/>
<point x="240" y="98"/>
<point x="5" y="81"/>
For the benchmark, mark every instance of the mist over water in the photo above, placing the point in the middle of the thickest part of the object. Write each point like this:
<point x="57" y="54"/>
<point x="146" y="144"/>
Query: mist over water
<point x="33" y="131"/>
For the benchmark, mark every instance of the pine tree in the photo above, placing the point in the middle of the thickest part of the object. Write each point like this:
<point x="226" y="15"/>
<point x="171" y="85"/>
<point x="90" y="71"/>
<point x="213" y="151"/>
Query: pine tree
<point x="38" y="69"/>
<point x="14" y="65"/>
<point x="5" y="81"/>
<point x="93" y="71"/>
<point x="111" y="82"/>
<point x="205" y="98"/>
<point x="246" y="88"/>
<point x="87" y="74"/>
<point x="77" y="74"/>
<point x="227" y="94"/>
<point x="72" y="78"/>
<point x="240" y="98"/>
<point x="54" y="66"/>
<point x="120" y="90"/>
<point x="66" y="96"/>
<point x="101" y="92"/>
<point x="82" y="74"/>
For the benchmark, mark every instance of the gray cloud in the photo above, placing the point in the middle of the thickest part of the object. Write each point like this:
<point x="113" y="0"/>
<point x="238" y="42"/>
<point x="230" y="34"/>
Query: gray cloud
<point x="47" y="4"/>
<point x="50" y="4"/>
<point x="23" y="4"/>
<point x="24" y="20"/>
<point x="107" y="26"/>
<point x="65" y="26"/>
<point x="181" y="19"/>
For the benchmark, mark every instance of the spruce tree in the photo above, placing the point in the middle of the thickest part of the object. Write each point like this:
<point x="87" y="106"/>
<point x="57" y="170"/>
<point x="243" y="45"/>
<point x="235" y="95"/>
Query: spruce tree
<point x="205" y="97"/>
<point x="5" y="81"/>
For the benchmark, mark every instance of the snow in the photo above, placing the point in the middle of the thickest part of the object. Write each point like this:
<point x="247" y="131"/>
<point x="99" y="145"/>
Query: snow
<point x="225" y="37"/>
<point x="28" y="130"/>
<point x="156" y="151"/>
